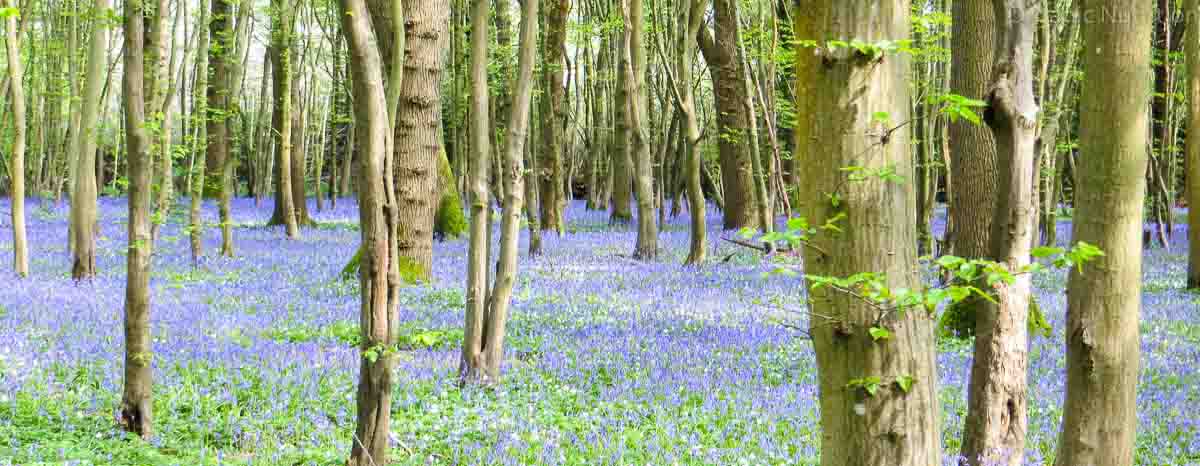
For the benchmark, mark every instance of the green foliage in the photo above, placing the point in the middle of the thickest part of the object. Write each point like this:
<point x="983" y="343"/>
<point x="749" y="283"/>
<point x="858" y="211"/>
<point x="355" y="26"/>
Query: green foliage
<point x="955" y="106"/>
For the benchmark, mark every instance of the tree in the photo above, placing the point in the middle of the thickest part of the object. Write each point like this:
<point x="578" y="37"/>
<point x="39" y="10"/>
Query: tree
<point x="1104" y="296"/>
<point x="728" y="74"/>
<point x="487" y="310"/>
<point x="634" y="78"/>
<point x="220" y="108"/>
<point x="878" y="400"/>
<point x="972" y="147"/>
<point x="379" y="232"/>
<point x="619" y="150"/>
<point x="282" y="33"/>
<point x="996" y="411"/>
<point x="553" y="137"/>
<point x="1193" y="142"/>
<point x="691" y="20"/>
<point x="83" y="196"/>
<point x="16" y="168"/>
<point x="136" y="402"/>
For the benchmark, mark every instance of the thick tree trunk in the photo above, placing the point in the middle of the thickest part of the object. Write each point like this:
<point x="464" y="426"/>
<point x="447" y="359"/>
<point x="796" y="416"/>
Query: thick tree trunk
<point x="16" y="167"/>
<point x="136" y="401"/>
<point x="996" y="410"/>
<point x="418" y="142"/>
<point x="553" y="115"/>
<point x="1104" y="296"/>
<point x="83" y="197"/>
<point x="728" y="74"/>
<point x="1193" y="142"/>
<point x="898" y="424"/>
<point x="972" y="147"/>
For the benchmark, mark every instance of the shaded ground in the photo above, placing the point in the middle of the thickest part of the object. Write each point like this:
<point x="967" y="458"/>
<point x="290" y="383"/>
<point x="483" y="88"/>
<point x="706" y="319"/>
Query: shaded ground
<point x="611" y="361"/>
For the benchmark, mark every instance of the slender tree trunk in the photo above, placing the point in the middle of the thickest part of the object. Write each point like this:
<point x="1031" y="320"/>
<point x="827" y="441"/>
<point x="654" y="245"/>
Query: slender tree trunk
<point x="895" y="426"/>
<point x="1193" y="142"/>
<point x="282" y="36"/>
<point x="1104" y="296"/>
<point x="136" y="404"/>
<point x="83" y="197"/>
<point x="471" y="366"/>
<point x="487" y="310"/>
<point x="16" y="167"/>
<point x="636" y="118"/>
<point x="622" y="162"/>
<point x="996" y="419"/>
<point x="553" y="114"/>
<point x="220" y="109"/>
<point x="377" y="272"/>
<point x="691" y="20"/>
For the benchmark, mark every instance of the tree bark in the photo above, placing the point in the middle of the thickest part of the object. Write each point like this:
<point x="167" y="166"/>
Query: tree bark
<point x="281" y="68"/>
<point x="728" y="75"/>
<point x="16" y="167"/>
<point x="622" y="161"/>
<point x="553" y="116"/>
<point x="646" y="247"/>
<point x="972" y="147"/>
<point x="1192" y="50"/>
<point x="996" y="419"/>
<point x="83" y="196"/>
<point x="418" y="141"/>
<point x="691" y="14"/>
<point x="136" y="403"/>
<point x="1104" y="296"/>
<point x="220" y="109"/>
<point x="895" y="426"/>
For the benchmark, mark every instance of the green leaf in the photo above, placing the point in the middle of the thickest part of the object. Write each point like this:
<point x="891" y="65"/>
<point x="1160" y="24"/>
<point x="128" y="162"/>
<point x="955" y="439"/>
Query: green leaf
<point x="905" y="382"/>
<point x="1042" y="252"/>
<point x="879" y="333"/>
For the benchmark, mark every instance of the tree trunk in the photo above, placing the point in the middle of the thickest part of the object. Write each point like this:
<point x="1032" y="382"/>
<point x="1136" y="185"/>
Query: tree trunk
<point x="553" y="115"/>
<point x="380" y="283"/>
<point x="418" y="141"/>
<point x="728" y="74"/>
<point x="282" y="35"/>
<point x="220" y="109"/>
<point x="996" y="419"/>
<point x="634" y="79"/>
<point x="622" y="162"/>
<point x="16" y="168"/>
<point x="691" y="16"/>
<point x="136" y="401"/>
<point x="896" y="426"/>
<point x="1104" y="296"/>
<point x="83" y="197"/>
<point x="972" y="148"/>
<point x="197" y="171"/>
<point x="1193" y="142"/>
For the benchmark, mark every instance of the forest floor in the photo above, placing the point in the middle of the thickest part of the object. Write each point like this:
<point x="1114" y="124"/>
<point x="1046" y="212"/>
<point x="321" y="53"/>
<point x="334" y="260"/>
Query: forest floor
<point x="611" y="361"/>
